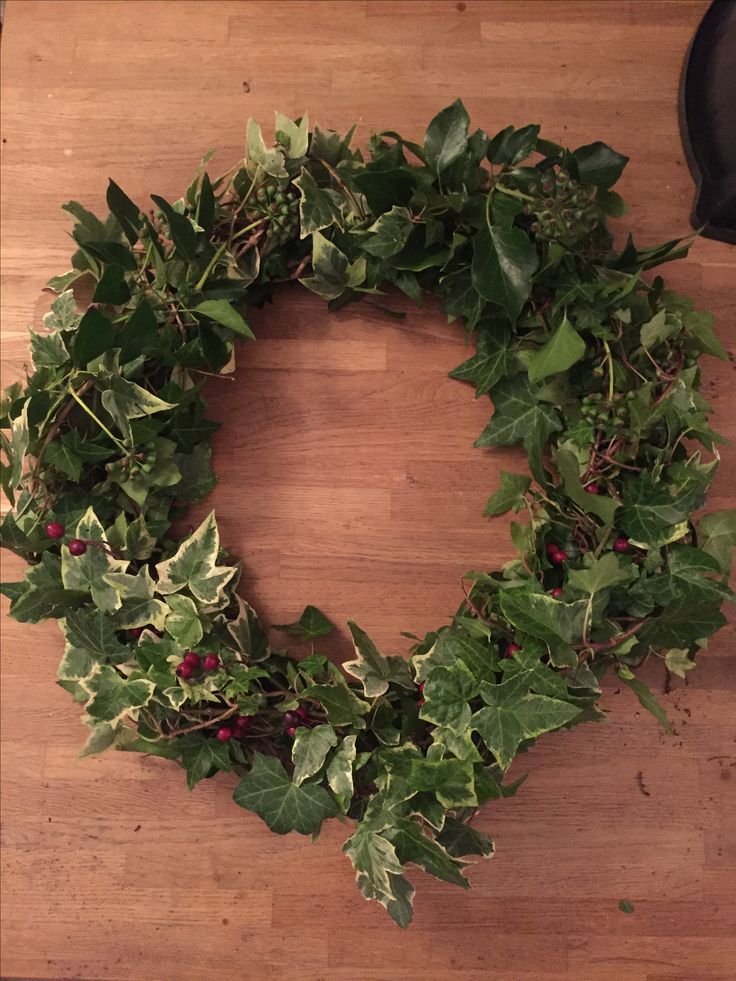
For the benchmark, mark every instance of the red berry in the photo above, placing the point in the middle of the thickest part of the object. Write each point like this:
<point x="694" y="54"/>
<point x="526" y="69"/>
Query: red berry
<point x="621" y="545"/>
<point x="421" y="687"/>
<point x="55" y="529"/>
<point x="557" y="591"/>
<point x="291" y="719"/>
<point x="559" y="556"/>
<point x="77" y="546"/>
<point x="512" y="649"/>
<point x="185" y="670"/>
<point x="550" y="548"/>
<point x="303" y="713"/>
<point x="242" y="722"/>
<point x="135" y="632"/>
<point x="192" y="659"/>
<point x="291" y="731"/>
<point x="211" y="662"/>
<point x="420" y="702"/>
<point x="592" y="488"/>
<point x="224" y="733"/>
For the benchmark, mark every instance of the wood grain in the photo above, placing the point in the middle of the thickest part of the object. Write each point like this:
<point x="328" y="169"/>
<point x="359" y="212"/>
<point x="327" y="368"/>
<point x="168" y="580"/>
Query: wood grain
<point x="348" y="479"/>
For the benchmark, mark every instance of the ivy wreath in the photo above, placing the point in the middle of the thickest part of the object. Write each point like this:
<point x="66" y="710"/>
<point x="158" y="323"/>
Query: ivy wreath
<point x="591" y="367"/>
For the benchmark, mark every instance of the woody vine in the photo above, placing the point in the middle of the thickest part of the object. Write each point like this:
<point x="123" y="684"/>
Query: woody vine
<point x="590" y="364"/>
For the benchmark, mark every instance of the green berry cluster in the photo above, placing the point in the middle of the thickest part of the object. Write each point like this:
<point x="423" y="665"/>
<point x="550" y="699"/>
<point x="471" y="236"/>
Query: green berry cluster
<point x="564" y="210"/>
<point x="137" y="462"/>
<point x="607" y="413"/>
<point x="281" y="205"/>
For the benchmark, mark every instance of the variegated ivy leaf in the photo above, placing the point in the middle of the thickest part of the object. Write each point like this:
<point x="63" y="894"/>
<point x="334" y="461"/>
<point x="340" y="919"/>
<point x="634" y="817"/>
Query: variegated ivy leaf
<point x="139" y="607"/>
<point x="183" y="622"/>
<point x="399" y="904"/>
<point x="194" y="566"/>
<point x="340" y="770"/>
<point x="48" y="350"/>
<point x="139" y="542"/>
<point x="373" y="857"/>
<point x="63" y="313"/>
<point x="319" y="207"/>
<point x="87" y="572"/>
<point x="451" y="781"/>
<point x="294" y="137"/>
<point x="270" y="161"/>
<point x="113" y="697"/>
<point x="310" y="750"/>
<point x="101" y="737"/>
<point x="447" y="692"/>
<point x="333" y="273"/>
<point x="374" y="670"/>
<point x="125" y="400"/>
<point x="19" y="437"/>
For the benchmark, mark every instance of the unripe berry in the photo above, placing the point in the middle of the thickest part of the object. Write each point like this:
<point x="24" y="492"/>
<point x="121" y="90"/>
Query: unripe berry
<point x="621" y="545"/>
<point x="193" y="659"/>
<point x="77" y="546"/>
<point x="55" y="529"/>
<point x="185" y="670"/>
<point x="559" y="556"/>
<point x="211" y="662"/>
<point x="224" y="733"/>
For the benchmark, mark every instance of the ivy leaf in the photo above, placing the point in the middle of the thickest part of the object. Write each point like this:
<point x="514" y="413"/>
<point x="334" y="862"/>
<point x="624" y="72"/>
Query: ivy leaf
<point x="293" y="136"/>
<point x="513" y="715"/>
<point x="649" y="511"/>
<point x="284" y="806"/>
<point x="343" y="708"/>
<point x="271" y="161"/>
<point x="601" y="573"/>
<point x="247" y="633"/>
<point x="225" y="313"/>
<point x="60" y="455"/>
<point x="63" y="313"/>
<point x="139" y="542"/>
<point x="48" y="350"/>
<point x="197" y="478"/>
<point x="374" y="857"/>
<point x="319" y="207"/>
<point x="678" y="662"/>
<point x="646" y="698"/>
<point x="200" y="755"/>
<point x="374" y="670"/>
<point x="114" y="697"/>
<point x="511" y="146"/>
<point x="87" y="572"/>
<point x="569" y="467"/>
<point x="543" y="616"/>
<point x="125" y="400"/>
<point x="447" y="692"/>
<point x="490" y="362"/>
<point x="504" y="261"/>
<point x="310" y="625"/>
<point x="91" y="632"/>
<point x="520" y="418"/>
<point x="340" y="770"/>
<point x="399" y="904"/>
<point x="413" y="845"/>
<point x="459" y="839"/>
<point x="687" y="579"/>
<point x="717" y="537"/>
<point x="332" y="271"/>
<point x="183" y="234"/>
<point x="446" y="138"/>
<point x="564" y="349"/>
<point x="19" y="438"/>
<point x="678" y="625"/>
<point x="194" y="566"/>
<point x="95" y="335"/>
<point x="451" y="781"/>
<point x="310" y="750"/>
<point x="112" y="287"/>
<point x="598" y="164"/>
<point x="390" y="233"/>
<point x="510" y="494"/>
<point x="183" y="623"/>
<point x="127" y="213"/>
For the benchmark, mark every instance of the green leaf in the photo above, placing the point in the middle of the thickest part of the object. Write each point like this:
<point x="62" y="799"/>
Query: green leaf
<point x="511" y="146"/>
<point x="224" y="313"/>
<point x="284" y="806"/>
<point x="340" y="770"/>
<point x="646" y="698"/>
<point x="717" y="537"/>
<point x="112" y="288"/>
<point x="509" y="495"/>
<point x="63" y="313"/>
<point x="390" y="233"/>
<point x="310" y="750"/>
<point x="678" y="662"/>
<point x="399" y="905"/>
<point x="520" y="418"/>
<point x="95" y="335"/>
<point x="374" y="670"/>
<point x="138" y="332"/>
<point x="699" y="324"/>
<point x="91" y="632"/>
<point x="413" y="845"/>
<point x="319" y="207"/>
<point x="649" y="511"/>
<point x="296" y="135"/>
<point x="687" y="579"/>
<point x="564" y="348"/>
<point x="601" y="573"/>
<point x="310" y="625"/>
<point x="447" y="692"/>
<point x="60" y="455"/>
<point x="678" y="625"/>
<point x="504" y="261"/>
<point x="570" y="470"/>
<point x="332" y="271"/>
<point x="446" y="138"/>
<point x="48" y="350"/>
<point x="375" y="858"/>
<point x="183" y="234"/>
<point x="127" y="213"/>
<point x="194" y="566"/>
<point x="125" y="400"/>
<point x="460" y="839"/>
<point x="342" y="706"/>
<point x="114" y="697"/>
<point x="490" y="362"/>
<point x="598" y="164"/>
<point x="452" y="781"/>
<point x="183" y="623"/>
<point x="543" y="616"/>
<point x="625" y="906"/>
<point x="270" y="161"/>
<point x="200" y="755"/>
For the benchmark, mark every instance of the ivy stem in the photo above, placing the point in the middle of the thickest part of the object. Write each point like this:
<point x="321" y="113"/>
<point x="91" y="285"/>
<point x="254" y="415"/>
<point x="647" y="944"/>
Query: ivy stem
<point x="609" y="361"/>
<point x="101" y="424"/>
<point x="512" y="193"/>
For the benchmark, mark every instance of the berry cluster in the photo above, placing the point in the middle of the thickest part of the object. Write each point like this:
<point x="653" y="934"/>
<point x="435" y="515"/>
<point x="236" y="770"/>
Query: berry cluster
<point x="564" y="210"/>
<point x="238" y="729"/>
<point x="193" y="663"/>
<point x="137" y="462"/>
<point x="299" y="717"/>
<point x="282" y="207"/>
<point x="606" y="414"/>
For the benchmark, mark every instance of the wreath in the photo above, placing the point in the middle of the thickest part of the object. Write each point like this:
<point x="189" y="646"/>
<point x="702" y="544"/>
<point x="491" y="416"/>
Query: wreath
<point x="591" y="367"/>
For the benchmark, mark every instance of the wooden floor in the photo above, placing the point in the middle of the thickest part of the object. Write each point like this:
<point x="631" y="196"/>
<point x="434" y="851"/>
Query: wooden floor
<point x="348" y="480"/>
